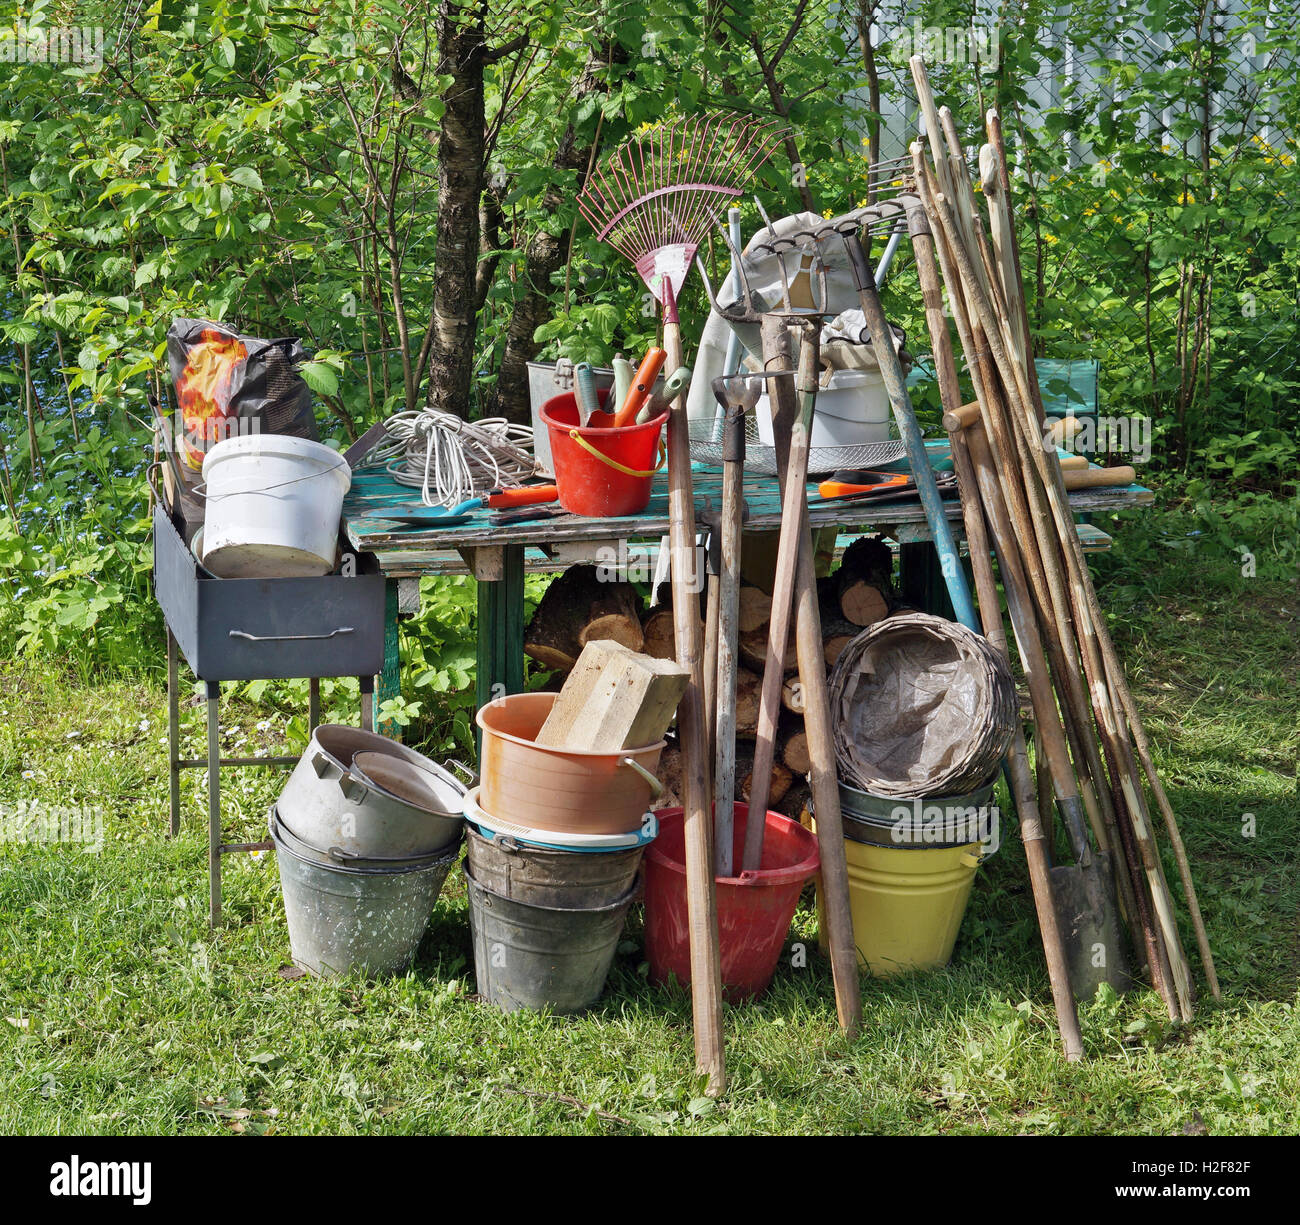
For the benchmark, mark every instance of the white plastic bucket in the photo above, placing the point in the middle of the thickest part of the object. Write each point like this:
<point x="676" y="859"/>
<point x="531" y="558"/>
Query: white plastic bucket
<point x="853" y="408"/>
<point x="273" y="506"/>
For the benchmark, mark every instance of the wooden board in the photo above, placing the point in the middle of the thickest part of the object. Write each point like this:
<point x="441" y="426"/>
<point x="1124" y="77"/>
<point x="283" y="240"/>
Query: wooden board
<point x="614" y="699"/>
<point x="408" y="553"/>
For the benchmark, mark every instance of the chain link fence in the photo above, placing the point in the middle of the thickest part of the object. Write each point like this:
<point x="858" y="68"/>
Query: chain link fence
<point x="1153" y="150"/>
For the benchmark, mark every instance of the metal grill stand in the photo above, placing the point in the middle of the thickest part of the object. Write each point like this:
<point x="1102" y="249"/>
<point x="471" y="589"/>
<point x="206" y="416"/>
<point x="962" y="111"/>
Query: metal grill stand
<point x="258" y="629"/>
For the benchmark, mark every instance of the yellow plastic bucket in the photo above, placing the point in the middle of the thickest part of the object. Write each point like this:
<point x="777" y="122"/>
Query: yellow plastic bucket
<point x="907" y="903"/>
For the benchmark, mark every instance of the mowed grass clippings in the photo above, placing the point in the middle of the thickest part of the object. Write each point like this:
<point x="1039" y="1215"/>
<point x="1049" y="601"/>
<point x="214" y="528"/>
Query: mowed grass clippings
<point x="121" y="1013"/>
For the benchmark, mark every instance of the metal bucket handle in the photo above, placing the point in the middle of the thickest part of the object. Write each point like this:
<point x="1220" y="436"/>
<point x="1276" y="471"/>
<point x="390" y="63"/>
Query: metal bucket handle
<point x="340" y="856"/>
<point x="470" y="777"/>
<point x="656" y="787"/>
<point x="352" y="787"/>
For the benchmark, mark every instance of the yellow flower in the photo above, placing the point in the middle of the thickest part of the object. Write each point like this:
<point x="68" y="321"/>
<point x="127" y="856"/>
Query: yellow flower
<point x="1049" y="238"/>
<point x="828" y="213"/>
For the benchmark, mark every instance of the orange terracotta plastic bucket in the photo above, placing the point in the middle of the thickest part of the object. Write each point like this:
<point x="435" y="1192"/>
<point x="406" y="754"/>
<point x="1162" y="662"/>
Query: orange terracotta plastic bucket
<point x="570" y="791"/>
<point x="601" y="473"/>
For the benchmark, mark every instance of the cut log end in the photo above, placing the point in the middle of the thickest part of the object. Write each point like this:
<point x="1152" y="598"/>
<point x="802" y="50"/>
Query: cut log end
<point x="863" y="604"/>
<point x="617" y="627"/>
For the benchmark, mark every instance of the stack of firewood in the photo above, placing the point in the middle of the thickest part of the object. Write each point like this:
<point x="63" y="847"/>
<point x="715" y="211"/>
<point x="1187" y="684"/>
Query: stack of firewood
<point x="582" y="606"/>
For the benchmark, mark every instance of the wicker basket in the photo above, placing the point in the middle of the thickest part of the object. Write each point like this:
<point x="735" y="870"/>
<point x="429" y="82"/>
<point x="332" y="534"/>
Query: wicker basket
<point x="921" y="707"/>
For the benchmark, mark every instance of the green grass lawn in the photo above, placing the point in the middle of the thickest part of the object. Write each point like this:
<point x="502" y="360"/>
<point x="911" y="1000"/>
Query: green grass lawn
<point x="121" y="1013"/>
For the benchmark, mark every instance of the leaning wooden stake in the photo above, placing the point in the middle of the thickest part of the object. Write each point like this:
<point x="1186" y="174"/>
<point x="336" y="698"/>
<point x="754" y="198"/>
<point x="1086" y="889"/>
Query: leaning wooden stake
<point x="701" y="900"/>
<point x="1032" y="834"/>
<point x="823" y="775"/>
<point x="986" y="293"/>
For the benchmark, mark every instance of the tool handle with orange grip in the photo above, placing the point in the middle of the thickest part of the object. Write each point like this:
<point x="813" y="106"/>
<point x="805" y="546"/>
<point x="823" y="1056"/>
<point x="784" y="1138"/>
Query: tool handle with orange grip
<point x="642" y="386"/>
<point x="528" y="495"/>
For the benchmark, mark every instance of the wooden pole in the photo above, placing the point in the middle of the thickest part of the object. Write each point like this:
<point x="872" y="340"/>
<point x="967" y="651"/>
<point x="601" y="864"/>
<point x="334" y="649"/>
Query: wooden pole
<point x="701" y="901"/>
<point x="776" y="356"/>
<point x="729" y="552"/>
<point x="823" y="775"/>
<point x="992" y="316"/>
<point x="1032" y="834"/>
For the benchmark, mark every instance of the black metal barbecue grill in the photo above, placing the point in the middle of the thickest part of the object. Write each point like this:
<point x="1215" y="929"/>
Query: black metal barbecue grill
<point x="258" y="629"/>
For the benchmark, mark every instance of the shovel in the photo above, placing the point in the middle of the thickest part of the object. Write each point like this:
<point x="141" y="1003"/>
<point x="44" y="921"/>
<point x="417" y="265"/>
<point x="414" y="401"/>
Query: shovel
<point x="1088" y="914"/>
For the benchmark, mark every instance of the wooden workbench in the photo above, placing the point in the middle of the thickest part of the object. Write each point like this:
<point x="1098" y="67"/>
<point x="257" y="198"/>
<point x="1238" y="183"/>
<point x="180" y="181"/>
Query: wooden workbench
<point x="498" y="557"/>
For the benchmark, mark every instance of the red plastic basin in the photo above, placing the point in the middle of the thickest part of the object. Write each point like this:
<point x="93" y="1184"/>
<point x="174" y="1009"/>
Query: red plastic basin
<point x="754" y="908"/>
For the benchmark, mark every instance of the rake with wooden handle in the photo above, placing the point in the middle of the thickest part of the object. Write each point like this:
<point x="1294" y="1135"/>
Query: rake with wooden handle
<point x="654" y="199"/>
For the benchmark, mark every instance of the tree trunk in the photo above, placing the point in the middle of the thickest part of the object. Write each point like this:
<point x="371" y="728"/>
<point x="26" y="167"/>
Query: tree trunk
<point x="863" y="19"/>
<point x="546" y="252"/>
<point x="461" y="55"/>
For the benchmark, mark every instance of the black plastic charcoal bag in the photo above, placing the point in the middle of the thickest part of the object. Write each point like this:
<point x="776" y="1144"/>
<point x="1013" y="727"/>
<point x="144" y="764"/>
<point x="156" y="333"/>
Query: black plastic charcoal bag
<point x="229" y="384"/>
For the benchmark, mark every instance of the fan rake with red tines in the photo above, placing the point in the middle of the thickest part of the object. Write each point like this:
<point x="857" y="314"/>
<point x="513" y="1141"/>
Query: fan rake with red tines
<point x="653" y="201"/>
<point x="660" y="192"/>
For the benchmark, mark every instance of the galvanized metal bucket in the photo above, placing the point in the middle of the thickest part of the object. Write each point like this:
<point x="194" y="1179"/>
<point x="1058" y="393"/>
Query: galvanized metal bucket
<point x="528" y="956"/>
<point x="951" y="820"/>
<point x="545" y="877"/>
<point x="345" y="920"/>
<point x="326" y="804"/>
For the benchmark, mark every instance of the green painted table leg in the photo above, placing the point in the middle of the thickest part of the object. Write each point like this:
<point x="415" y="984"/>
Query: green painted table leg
<point x="921" y="580"/>
<point x="390" y="679"/>
<point x="500" y="645"/>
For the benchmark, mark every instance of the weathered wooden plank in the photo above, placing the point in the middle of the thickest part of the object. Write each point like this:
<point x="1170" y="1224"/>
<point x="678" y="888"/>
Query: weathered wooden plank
<point x="407" y="553"/>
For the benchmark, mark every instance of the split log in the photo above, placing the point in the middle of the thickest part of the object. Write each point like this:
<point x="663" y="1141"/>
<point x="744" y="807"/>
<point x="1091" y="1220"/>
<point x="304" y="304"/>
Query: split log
<point x="755" y="609"/>
<point x="792" y="746"/>
<point x="833" y="647"/>
<point x="795" y="801"/>
<point x="863" y="604"/>
<point x="792" y="695"/>
<point x="614" y="699"/>
<point x="578" y="608"/>
<point x="781" y="778"/>
<point x="753" y="651"/>
<point x="669" y="772"/>
<point x="749" y="687"/>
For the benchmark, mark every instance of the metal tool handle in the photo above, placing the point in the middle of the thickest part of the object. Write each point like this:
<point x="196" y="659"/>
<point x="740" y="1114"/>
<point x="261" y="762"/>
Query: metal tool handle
<point x="343" y="629"/>
<point x="895" y="384"/>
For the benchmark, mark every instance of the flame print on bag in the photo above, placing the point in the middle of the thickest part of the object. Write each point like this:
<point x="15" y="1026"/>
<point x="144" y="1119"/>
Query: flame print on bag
<point x="204" y="390"/>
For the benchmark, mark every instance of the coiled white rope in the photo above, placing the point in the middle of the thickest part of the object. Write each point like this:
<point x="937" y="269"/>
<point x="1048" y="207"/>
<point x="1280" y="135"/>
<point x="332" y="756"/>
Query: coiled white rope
<point x="449" y="459"/>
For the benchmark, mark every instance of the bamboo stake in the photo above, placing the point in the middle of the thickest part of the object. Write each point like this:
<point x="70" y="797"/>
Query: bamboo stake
<point x="1032" y="834"/>
<point x="1091" y="627"/>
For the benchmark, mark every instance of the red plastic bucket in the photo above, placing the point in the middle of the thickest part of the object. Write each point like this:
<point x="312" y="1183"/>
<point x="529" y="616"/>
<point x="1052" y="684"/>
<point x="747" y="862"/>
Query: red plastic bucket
<point x="612" y="473"/>
<point x="754" y="908"/>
